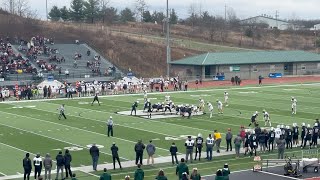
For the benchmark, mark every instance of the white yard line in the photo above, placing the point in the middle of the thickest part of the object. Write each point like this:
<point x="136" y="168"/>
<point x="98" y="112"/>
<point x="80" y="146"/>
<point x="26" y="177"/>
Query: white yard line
<point x="31" y="132"/>
<point x="89" y="174"/>
<point x="3" y="174"/>
<point x="285" y="177"/>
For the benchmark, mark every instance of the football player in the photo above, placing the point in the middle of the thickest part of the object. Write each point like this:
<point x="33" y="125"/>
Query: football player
<point x="220" y="107"/>
<point x="293" y="105"/>
<point x="226" y="98"/>
<point x="266" y="118"/>
<point x="295" y="136"/>
<point x="254" y="118"/>
<point x="210" y="108"/>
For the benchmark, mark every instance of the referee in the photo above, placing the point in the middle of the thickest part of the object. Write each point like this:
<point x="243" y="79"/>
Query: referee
<point x="61" y="109"/>
<point x="110" y="126"/>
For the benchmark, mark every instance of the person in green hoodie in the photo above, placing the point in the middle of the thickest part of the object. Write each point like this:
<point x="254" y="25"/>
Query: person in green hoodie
<point x="226" y="171"/>
<point x="161" y="175"/>
<point x="105" y="175"/>
<point x="195" y="175"/>
<point x="181" y="168"/>
<point x="219" y="175"/>
<point x="139" y="174"/>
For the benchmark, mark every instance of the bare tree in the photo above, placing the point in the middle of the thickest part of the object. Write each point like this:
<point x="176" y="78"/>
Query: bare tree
<point x="140" y="7"/>
<point x="103" y="8"/>
<point x="22" y="7"/>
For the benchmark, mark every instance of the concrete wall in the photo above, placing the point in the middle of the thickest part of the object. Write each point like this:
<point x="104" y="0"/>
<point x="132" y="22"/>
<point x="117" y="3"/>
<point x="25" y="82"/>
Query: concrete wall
<point x="306" y="68"/>
<point x="186" y="71"/>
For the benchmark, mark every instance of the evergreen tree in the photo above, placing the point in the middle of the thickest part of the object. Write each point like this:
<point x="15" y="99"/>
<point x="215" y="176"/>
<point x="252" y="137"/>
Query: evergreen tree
<point x="127" y="15"/>
<point x="158" y="17"/>
<point x="76" y="10"/>
<point x="147" y="16"/>
<point x="110" y="15"/>
<point x="91" y="10"/>
<point x="54" y="14"/>
<point x="173" y="17"/>
<point x="64" y="13"/>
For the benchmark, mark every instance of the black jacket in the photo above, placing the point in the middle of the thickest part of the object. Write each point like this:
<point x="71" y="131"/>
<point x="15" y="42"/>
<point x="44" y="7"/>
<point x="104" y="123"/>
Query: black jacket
<point x="67" y="159"/>
<point x="60" y="160"/>
<point x="114" y="150"/>
<point x="27" y="163"/>
<point x="173" y="150"/>
<point x="94" y="151"/>
<point x="139" y="147"/>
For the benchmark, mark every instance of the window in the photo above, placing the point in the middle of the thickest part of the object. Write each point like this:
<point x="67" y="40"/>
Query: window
<point x="303" y="67"/>
<point x="318" y="66"/>
<point x="254" y="69"/>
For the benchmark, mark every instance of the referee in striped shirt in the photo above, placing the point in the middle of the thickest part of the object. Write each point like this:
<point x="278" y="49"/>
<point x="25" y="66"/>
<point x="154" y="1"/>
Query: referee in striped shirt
<point x="110" y="126"/>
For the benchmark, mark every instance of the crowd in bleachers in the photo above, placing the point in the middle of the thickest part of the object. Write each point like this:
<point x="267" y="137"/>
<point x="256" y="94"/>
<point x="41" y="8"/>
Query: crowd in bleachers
<point x="11" y="62"/>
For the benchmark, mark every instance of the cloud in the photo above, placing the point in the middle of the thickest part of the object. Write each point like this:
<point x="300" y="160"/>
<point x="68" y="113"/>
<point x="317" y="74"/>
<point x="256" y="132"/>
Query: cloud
<point x="305" y="9"/>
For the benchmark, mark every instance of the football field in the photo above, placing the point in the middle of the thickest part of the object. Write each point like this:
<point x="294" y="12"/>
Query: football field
<point x="33" y="126"/>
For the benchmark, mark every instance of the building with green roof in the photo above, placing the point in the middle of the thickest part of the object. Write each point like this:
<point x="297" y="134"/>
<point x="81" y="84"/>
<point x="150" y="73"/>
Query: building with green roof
<point x="248" y="65"/>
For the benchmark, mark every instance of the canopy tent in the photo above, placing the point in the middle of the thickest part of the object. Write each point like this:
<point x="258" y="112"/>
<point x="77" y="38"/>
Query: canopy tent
<point x="55" y="85"/>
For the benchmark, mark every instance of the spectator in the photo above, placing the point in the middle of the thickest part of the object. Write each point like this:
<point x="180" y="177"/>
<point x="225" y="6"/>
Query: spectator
<point x="173" y="150"/>
<point x="281" y="146"/>
<point x="27" y="167"/>
<point x="209" y="145"/>
<point x="105" y="175"/>
<point x="37" y="162"/>
<point x="47" y="163"/>
<point x="115" y="155"/>
<point x="68" y="159"/>
<point x="229" y="139"/>
<point x="94" y="152"/>
<point x="217" y="138"/>
<point x="262" y="141"/>
<point x="219" y="175"/>
<point x="195" y="175"/>
<point x="185" y="176"/>
<point x="237" y="143"/>
<point x="60" y="164"/>
<point x="139" y="174"/>
<point x="161" y="175"/>
<point x="182" y="168"/>
<point x="74" y="177"/>
<point x="151" y="149"/>
<point x="226" y="171"/>
<point x="127" y="177"/>
<point x="232" y="80"/>
<point x="139" y="148"/>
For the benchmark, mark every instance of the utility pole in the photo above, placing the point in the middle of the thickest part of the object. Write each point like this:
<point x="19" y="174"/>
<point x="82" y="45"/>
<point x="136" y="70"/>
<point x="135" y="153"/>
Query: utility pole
<point x="225" y="12"/>
<point x="168" y="41"/>
<point x="47" y="10"/>
<point x="315" y="38"/>
<point x="277" y="16"/>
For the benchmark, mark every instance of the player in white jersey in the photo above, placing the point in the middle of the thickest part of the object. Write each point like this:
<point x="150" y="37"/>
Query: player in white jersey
<point x="37" y="162"/>
<point x="226" y="98"/>
<point x="167" y="98"/>
<point x="266" y="118"/>
<point x="278" y="132"/>
<point x="220" y="107"/>
<point x="210" y="108"/>
<point x="201" y="105"/>
<point x="145" y="95"/>
<point x="293" y="105"/>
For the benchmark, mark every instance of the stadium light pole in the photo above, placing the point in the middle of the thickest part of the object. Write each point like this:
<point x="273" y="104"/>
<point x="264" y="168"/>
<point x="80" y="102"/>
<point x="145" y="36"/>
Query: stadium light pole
<point x="47" y="10"/>
<point x="168" y="41"/>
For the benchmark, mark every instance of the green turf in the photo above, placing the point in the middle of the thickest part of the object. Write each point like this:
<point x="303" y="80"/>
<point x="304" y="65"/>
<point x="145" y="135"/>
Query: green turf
<point x="34" y="127"/>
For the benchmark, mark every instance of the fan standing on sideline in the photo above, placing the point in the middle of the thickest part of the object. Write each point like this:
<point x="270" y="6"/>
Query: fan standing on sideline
<point x="226" y="98"/>
<point x="134" y="108"/>
<point x="94" y="152"/>
<point x="110" y="126"/>
<point x="61" y="109"/>
<point x="27" y="167"/>
<point x="199" y="145"/>
<point x="96" y="98"/>
<point x="115" y="155"/>
<point x="139" y="148"/>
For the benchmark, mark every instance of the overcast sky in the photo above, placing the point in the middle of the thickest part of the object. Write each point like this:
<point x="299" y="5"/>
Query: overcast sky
<point x="288" y="9"/>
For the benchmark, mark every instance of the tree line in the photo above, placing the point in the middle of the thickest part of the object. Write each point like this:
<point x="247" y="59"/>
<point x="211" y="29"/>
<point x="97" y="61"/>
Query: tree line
<point x="92" y="11"/>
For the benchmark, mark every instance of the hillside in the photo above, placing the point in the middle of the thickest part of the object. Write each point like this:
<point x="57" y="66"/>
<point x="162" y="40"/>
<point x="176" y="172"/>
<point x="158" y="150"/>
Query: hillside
<point x="142" y="47"/>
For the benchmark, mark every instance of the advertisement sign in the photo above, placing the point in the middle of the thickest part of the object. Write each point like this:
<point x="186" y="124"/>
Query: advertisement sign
<point x="234" y="68"/>
<point x="275" y="75"/>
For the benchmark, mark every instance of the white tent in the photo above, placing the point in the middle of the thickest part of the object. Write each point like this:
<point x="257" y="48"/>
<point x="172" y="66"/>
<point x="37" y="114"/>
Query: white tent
<point x="55" y="85"/>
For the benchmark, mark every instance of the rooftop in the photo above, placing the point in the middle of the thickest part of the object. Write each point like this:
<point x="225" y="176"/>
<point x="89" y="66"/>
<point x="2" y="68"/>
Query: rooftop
<point x="250" y="57"/>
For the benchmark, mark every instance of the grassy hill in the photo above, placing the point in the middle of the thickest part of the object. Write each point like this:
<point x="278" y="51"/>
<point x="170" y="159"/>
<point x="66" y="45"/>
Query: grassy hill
<point x="142" y="47"/>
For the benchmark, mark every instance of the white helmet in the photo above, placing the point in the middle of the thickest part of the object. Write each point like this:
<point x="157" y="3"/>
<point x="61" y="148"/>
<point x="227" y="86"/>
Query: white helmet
<point x="110" y="117"/>
<point x="278" y="126"/>
<point x="282" y="126"/>
<point x="138" y="102"/>
<point x="199" y="135"/>
<point x="315" y="124"/>
<point x="303" y="124"/>
<point x="272" y="129"/>
<point x="256" y="112"/>
<point x="253" y="132"/>
<point x="308" y="125"/>
<point x="287" y="127"/>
